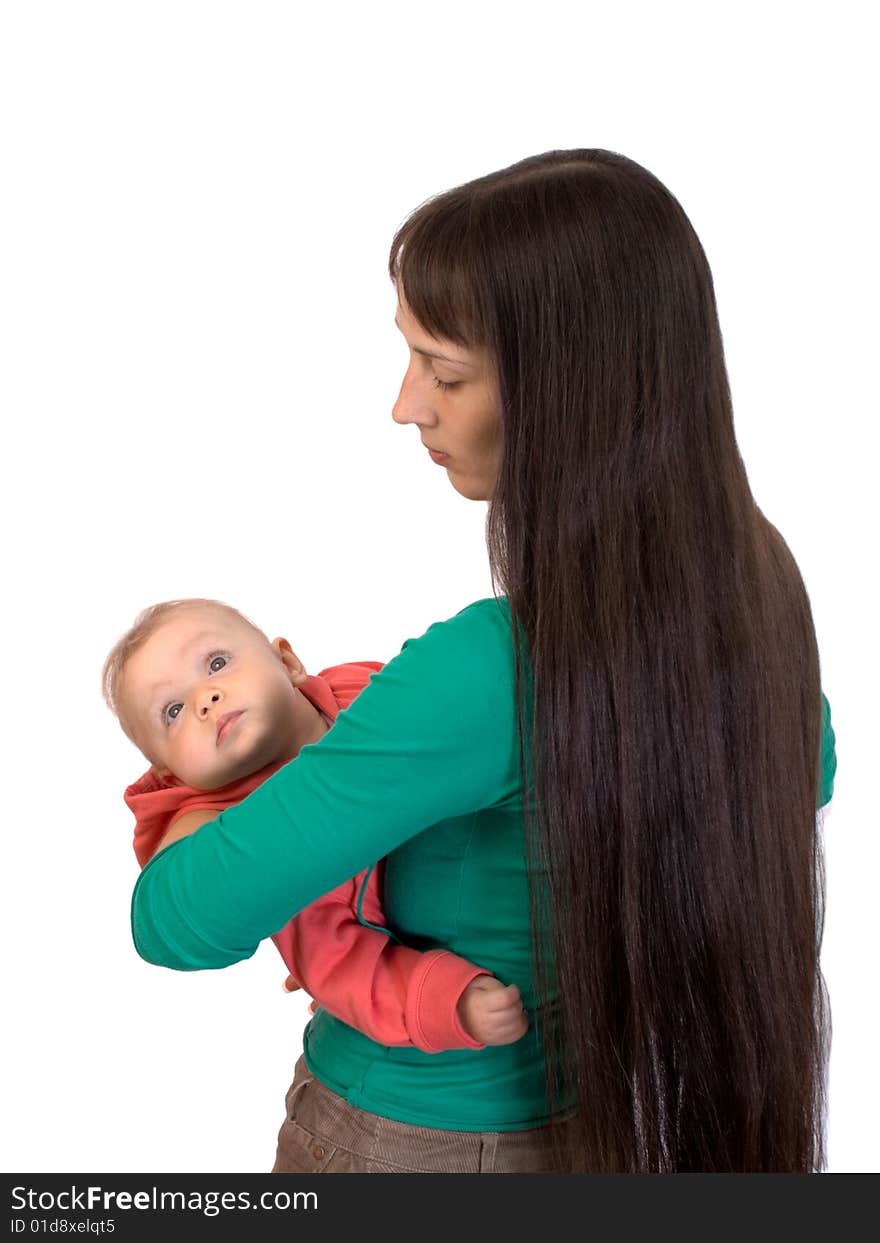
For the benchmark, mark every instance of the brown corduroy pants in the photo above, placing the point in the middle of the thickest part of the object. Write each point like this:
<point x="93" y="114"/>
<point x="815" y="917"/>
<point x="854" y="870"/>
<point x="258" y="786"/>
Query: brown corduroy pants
<point x="323" y="1134"/>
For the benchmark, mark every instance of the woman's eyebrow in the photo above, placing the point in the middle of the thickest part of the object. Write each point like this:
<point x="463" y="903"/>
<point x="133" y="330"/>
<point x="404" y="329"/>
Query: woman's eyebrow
<point x="444" y="358"/>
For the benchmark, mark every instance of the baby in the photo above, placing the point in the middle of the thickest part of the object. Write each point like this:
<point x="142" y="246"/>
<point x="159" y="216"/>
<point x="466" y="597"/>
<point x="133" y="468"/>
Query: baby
<point x="216" y="708"/>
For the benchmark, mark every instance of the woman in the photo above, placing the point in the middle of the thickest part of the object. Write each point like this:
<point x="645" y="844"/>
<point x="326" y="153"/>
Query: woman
<point x="651" y="680"/>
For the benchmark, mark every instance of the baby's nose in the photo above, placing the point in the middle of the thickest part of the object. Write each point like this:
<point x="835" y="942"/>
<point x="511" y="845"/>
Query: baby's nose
<point x="207" y="699"/>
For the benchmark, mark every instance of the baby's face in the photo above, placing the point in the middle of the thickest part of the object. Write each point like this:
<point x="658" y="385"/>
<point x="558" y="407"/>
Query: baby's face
<point x="210" y="700"/>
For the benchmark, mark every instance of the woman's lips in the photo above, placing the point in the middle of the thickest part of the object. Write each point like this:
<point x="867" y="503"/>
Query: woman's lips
<point x="437" y="456"/>
<point x="226" y="722"/>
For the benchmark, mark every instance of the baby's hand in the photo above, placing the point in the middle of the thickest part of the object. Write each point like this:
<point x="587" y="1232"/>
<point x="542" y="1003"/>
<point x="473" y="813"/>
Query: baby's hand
<point x="491" y="1013"/>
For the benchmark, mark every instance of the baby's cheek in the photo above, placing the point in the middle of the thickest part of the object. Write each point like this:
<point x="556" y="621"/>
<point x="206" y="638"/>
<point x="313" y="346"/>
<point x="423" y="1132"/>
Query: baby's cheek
<point x="194" y="764"/>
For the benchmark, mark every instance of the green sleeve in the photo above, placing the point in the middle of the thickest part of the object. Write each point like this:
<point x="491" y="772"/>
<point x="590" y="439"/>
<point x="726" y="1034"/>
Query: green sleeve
<point x="827" y="756"/>
<point x="431" y="737"/>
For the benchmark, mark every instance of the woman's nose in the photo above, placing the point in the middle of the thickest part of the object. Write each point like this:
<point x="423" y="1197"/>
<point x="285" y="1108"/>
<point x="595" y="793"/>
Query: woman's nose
<point x="411" y="406"/>
<point x="207" y="698"/>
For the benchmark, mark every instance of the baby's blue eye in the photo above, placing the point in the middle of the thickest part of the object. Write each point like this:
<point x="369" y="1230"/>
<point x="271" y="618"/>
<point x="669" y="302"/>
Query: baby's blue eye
<point x="217" y="663"/>
<point x="172" y="712"/>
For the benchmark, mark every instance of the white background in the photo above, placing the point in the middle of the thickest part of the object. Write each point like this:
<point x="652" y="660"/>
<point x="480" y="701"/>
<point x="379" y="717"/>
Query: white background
<point x="198" y="368"/>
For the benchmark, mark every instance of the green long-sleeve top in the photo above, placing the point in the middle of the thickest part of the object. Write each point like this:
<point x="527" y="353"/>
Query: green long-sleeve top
<point x="423" y="768"/>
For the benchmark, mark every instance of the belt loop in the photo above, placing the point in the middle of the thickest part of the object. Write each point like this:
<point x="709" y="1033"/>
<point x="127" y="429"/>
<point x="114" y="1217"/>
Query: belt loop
<point x="296" y="1089"/>
<point x="488" y="1150"/>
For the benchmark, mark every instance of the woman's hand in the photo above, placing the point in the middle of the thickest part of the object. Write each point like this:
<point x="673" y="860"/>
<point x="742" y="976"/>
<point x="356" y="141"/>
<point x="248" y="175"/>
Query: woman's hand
<point x="492" y="1013"/>
<point x="292" y="985"/>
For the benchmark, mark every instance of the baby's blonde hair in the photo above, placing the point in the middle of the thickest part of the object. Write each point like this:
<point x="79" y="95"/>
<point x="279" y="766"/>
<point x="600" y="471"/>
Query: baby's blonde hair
<point x="145" y="625"/>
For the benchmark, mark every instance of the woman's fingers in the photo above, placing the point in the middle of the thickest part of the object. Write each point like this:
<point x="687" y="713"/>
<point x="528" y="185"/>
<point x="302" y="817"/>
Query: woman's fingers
<point x="292" y="985"/>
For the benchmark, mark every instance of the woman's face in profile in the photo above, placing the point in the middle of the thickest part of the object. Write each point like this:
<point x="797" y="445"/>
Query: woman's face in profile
<point x="451" y="394"/>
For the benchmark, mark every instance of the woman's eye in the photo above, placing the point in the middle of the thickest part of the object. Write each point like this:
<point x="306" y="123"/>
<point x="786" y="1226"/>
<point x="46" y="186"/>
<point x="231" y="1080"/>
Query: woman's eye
<point x="172" y="712"/>
<point x="438" y="383"/>
<point x="217" y="663"/>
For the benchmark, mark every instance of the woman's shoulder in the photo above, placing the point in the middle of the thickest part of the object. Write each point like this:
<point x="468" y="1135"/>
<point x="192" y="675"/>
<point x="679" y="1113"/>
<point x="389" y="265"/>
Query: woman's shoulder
<point x="479" y="631"/>
<point x="491" y="613"/>
<point x="469" y="653"/>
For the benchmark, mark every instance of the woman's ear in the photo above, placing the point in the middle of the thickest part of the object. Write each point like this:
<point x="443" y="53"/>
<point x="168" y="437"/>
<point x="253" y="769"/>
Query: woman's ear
<point x="291" y="661"/>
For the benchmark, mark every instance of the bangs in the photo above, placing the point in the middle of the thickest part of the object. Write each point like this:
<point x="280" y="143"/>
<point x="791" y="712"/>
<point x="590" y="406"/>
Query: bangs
<point x="436" y="273"/>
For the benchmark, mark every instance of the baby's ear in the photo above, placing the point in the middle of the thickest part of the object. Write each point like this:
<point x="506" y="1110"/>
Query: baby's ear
<point x="291" y="661"/>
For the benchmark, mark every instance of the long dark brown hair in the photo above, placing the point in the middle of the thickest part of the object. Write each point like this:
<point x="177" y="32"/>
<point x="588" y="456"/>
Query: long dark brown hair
<point x="667" y="682"/>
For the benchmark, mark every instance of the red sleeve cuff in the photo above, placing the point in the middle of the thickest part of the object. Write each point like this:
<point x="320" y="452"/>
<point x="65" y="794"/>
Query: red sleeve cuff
<point x="432" y="1002"/>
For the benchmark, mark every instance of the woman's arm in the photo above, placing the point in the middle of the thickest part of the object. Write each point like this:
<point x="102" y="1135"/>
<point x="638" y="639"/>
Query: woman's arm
<point x="827" y="756"/>
<point x="361" y="973"/>
<point x="433" y="736"/>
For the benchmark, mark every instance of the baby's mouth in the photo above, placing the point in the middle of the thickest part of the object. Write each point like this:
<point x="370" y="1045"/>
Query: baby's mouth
<point x="226" y="722"/>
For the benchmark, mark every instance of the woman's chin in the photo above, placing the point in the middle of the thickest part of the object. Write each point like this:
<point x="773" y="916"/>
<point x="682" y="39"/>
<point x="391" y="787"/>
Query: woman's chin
<point x="472" y="489"/>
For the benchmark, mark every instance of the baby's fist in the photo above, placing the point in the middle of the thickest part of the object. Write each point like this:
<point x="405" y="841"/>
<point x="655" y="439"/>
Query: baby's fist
<point x="491" y="1013"/>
